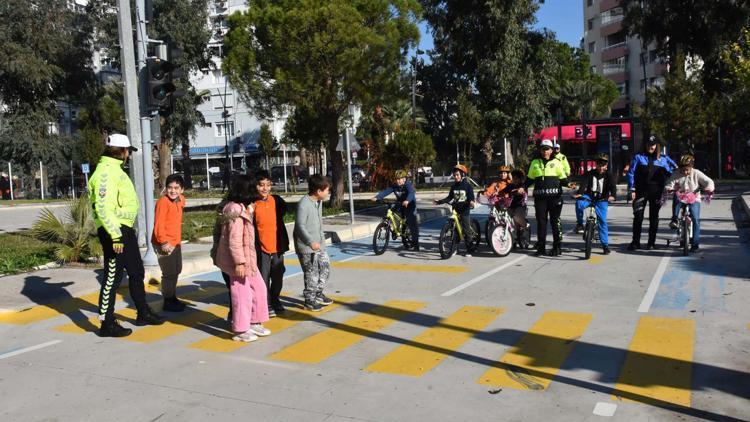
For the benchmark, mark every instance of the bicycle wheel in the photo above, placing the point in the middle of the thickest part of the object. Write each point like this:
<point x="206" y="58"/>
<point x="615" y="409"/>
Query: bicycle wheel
<point x="475" y="236"/>
<point x="406" y="237"/>
<point x="502" y="240"/>
<point x="447" y="241"/>
<point x="685" y="240"/>
<point x="380" y="238"/>
<point x="489" y="226"/>
<point x="588" y="233"/>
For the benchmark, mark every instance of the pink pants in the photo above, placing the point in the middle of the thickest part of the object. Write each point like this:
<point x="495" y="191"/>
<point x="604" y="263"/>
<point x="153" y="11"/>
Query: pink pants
<point x="249" y="302"/>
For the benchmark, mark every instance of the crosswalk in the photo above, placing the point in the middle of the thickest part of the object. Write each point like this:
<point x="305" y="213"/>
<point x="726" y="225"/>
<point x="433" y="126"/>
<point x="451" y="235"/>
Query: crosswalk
<point x="657" y="365"/>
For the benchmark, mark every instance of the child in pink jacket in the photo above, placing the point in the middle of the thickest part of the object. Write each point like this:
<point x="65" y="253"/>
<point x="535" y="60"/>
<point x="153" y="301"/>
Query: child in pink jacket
<point x="236" y="257"/>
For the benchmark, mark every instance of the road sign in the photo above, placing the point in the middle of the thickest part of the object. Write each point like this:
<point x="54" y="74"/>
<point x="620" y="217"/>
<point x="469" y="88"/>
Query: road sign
<point x="213" y="170"/>
<point x="85" y="168"/>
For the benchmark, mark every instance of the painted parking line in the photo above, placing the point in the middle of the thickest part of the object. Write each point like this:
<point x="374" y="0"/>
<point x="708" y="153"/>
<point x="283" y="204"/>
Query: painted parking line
<point x="659" y="361"/>
<point x="653" y="287"/>
<point x="432" y="346"/>
<point x="292" y="317"/>
<point x="17" y="352"/>
<point x="490" y="273"/>
<point x="321" y="346"/>
<point x="537" y="357"/>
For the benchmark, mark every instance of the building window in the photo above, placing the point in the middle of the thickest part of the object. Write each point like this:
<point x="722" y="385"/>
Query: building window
<point x="589" y="2"/>
<point x="617" y="65"/>
<point x="218" y="104"/>
<point x="591" y="24"/>
<point x="592" y="47"/>
<point x="622" y="88"/>
<point x="221" y="130"/>
<point x="616" y="39"/>
<point x="613" y="15"/>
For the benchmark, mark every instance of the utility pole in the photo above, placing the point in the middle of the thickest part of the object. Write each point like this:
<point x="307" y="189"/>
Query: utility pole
<point x="130" y="82"/>
<point x="149" y="258"/>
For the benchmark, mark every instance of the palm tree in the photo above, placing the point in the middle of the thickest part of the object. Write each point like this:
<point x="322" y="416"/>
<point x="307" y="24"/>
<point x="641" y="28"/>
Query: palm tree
<point x="75" y="234"/>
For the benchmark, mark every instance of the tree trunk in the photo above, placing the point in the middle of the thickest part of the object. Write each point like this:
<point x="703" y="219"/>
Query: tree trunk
<point x="165" y="155"/>
<point x="187" y="166"/>
<point x="337" y="163"/>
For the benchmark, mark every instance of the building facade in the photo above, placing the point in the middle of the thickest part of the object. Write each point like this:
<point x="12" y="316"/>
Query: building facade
<point x="620" y="58"/>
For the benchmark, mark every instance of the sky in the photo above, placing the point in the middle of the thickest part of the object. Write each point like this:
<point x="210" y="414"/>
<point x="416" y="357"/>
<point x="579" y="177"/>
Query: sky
<point x="563" y="17"/>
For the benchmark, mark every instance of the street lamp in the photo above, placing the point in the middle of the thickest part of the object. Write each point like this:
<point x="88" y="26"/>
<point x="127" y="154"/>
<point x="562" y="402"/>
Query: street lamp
<point x="414" y="87"/>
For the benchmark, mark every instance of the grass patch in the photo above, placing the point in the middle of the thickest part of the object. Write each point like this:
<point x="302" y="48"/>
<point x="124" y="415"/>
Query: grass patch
<point x="19" y="253"/>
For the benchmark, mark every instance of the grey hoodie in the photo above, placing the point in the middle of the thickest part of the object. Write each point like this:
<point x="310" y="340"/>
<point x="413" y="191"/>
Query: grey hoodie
<point x="308" y="225"/>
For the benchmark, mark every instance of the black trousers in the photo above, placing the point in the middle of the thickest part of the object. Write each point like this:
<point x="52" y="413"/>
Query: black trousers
<point x="653" y="199"/>
<point x="114" y="264"/>
<point x="548" y="209"/>
<point x="271" y="266"/>
<point x="411" y="220"/>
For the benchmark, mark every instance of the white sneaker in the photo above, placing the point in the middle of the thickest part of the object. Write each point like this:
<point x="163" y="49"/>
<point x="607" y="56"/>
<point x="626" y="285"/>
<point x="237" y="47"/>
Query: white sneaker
<point x="259" y="330"/>
<point x="247" y="337"/>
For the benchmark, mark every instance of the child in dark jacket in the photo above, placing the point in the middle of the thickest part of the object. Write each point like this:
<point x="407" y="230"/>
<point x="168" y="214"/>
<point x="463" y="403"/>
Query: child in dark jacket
<point x="461" y="198"/>
<point x="406" y="200"/>
<point x="599" y="188"/>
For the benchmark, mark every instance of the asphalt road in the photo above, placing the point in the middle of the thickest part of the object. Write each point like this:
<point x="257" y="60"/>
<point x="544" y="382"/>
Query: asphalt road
<point x="650" y="335"/>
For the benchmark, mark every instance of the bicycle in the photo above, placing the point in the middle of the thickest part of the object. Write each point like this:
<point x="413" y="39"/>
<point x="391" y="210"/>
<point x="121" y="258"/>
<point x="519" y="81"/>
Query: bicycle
<point x="591" y="229"/>
<point x="392" y="226"/>
<point x="684" y="232"/>
<point x="500" y="229"/>
<point x="452" y="234"/>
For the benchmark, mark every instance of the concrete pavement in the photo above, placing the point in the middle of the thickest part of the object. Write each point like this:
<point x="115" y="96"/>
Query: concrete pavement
<point x="415" y="337"/>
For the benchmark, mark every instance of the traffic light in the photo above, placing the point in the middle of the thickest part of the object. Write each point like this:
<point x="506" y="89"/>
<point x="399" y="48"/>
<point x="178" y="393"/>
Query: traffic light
<point x="160" y="86"/>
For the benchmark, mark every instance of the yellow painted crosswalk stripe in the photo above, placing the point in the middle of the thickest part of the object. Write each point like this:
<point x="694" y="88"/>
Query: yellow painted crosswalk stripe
<point x="92" y="324"/>
<point x="595" y="260"/>
<point x="189" y="320"/>
<point x="658" y="365"/>
<point x="537" y="357"/>
<point x="325" y="344"/>
<point x="428" y="349"/>
<point x="41" y="312"/>
<point x="292" y="317"/>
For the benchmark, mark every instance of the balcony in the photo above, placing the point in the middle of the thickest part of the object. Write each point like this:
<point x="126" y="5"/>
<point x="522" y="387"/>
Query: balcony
<point x="608" y="4"/>
<point x="611" y="28"/>
<point x="614" y="51"/>
<point x="219" y="8"/>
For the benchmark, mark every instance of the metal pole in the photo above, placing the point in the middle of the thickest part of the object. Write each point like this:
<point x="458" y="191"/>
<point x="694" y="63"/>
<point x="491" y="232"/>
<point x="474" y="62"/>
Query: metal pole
<point x="41" y="178"/>
<point x="413" y="91"/>
<point x="208" y="175"/>
<point x="10" y="176"/>
<point x="130" y="82"/>
<point x="349" y="167"/>
<point x="505" y="151"/>
<point x="72" y="180"/>
<point x="149" y="258"/>
<point x="171" y="163"/>
<point x="718" y="130"/>
<point x="457" y="157"/>
<point x="86" y="175"/>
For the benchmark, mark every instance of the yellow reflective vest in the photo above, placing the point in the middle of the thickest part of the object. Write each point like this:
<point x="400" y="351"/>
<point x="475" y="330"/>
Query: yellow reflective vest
<point x="113" y="197"/>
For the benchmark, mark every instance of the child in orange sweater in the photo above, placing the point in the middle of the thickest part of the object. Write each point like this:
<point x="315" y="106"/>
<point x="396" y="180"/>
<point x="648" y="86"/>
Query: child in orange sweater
<point x="167" y="238"/>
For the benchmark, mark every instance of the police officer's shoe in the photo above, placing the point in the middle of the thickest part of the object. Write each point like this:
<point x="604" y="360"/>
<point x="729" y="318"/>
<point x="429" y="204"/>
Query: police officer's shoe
<point x="539" y="250"/>
<point x="633" y="246"/>
<point x="172" y="304"/>
<point x="556" y="250"/>
<point x="113" y="329"/>
<point x="650" y="246"/>
<point x="149" y="318"/>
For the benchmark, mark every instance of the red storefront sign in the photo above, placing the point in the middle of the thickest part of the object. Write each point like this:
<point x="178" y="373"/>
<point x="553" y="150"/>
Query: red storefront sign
<point x="574" y="133"/>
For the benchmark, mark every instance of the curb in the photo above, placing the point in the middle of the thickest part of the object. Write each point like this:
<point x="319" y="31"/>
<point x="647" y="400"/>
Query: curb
<point x="744" y="201"/>
<point x="205" y="264"/>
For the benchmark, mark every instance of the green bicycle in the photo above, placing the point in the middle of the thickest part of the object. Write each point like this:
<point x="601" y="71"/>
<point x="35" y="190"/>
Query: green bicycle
<point x="392" y="226"/>
<point x="453" y="233"/>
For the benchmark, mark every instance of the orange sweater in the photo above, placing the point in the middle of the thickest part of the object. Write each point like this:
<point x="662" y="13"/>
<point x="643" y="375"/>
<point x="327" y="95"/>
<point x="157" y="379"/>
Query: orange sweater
<point x="168" y="221"/>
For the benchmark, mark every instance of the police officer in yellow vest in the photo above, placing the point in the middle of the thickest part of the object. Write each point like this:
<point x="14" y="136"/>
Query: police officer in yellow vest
<point x="548" y="177"/>
<point x="115" y="206"/>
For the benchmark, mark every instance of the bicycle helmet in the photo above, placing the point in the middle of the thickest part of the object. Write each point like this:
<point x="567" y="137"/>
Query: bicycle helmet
<point x="504" y="169"/>
<point x="602" y="157"/>
<point x="400" y="174"/>
<point x="687" y="160"/>
<point x="462" y="168"/>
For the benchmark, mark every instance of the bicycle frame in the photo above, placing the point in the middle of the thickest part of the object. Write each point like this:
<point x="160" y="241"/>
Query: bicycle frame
<point x="457" y="222"/>
<point x="395" y="220"/>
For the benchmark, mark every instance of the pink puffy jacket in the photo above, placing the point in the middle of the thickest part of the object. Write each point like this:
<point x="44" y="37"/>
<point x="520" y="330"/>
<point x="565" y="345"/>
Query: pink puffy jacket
<point x="237" y="242"/>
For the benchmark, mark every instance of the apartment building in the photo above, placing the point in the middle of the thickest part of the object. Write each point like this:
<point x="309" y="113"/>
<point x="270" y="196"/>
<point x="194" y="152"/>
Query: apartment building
<point x="623" y="59"/>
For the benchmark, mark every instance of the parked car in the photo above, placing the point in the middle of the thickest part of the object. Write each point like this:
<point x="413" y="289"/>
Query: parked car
<point x="277" y="174"/>
<point x="358" y="172"/>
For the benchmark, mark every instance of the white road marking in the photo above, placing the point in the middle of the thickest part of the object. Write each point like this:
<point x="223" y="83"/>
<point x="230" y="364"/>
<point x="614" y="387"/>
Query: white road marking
<point x="605" y="409"/>
<point x="477" y="279"/>
<point x="29" y="349"/>
<point x="648" y="299"/>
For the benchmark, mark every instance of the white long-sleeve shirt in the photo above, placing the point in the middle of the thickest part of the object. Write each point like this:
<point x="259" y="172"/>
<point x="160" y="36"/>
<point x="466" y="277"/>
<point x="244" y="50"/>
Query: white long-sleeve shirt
<point x="690" y="183"/>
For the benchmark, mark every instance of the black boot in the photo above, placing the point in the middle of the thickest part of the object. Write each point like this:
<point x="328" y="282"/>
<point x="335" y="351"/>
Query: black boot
<point x="112" y="328"/>
<point x="539" y="249"/>
<point x="172" y="304"/>
<point x="148" y="317"/>
<point x="556" y="250"/>
<point x="634" y="245"/>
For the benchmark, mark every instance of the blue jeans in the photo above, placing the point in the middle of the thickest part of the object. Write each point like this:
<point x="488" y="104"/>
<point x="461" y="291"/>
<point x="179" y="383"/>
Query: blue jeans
<point x="695" y="211"/>
<point x="601" y="208"/>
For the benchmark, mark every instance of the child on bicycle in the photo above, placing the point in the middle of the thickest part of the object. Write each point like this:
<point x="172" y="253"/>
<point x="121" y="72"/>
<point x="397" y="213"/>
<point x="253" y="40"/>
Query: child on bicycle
<point x="406" y="202"/>
<point x="689" y="179"/>
<point x="598" y="188"/>
<point x="518" y="209"/>
<point x="498" y="185"/>
<point x="461" y="198"/>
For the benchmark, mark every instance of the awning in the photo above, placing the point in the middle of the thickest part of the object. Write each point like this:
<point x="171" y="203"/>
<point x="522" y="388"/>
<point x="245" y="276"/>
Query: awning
<point x="574" y="133"/>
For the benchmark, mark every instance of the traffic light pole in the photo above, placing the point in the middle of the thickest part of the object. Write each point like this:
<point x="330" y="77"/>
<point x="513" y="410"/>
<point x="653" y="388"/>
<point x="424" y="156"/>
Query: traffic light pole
<point x="130" y="82"/>
<point x="149" y="258"/>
